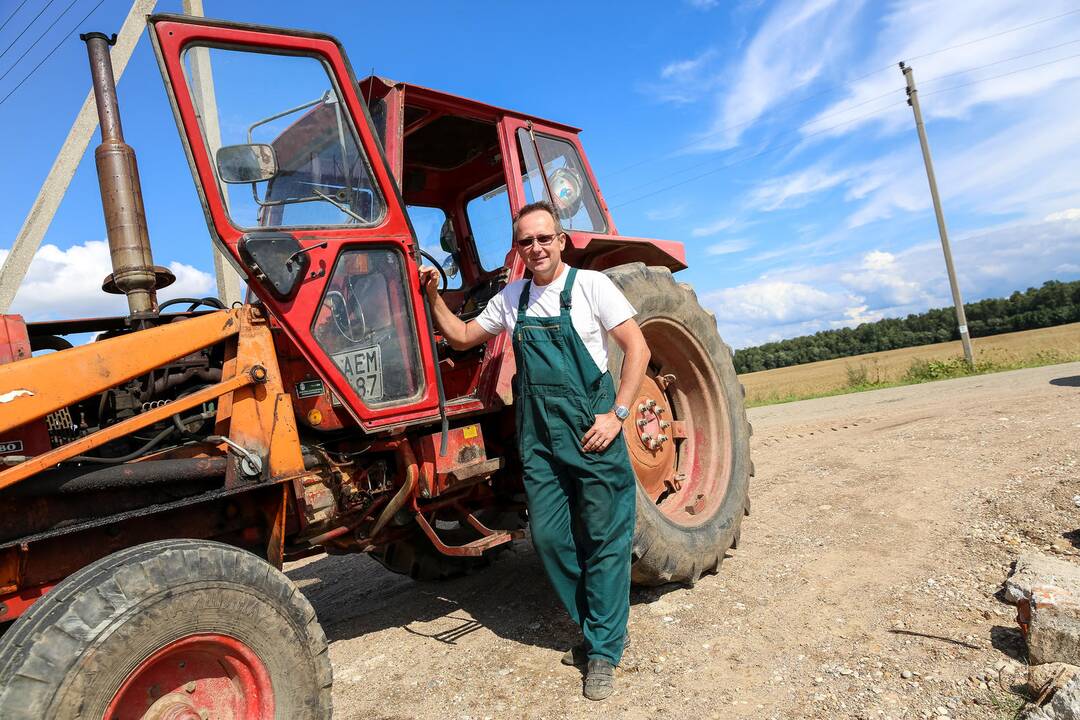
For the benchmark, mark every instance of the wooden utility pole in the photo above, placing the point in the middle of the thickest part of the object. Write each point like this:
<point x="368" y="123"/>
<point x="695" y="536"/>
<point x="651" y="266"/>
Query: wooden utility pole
<point x="67" y="160"/>
<point x="958" y="302"/>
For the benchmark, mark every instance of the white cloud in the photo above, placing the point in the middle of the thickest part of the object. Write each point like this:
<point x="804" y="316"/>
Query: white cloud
<point x="914" y="28"/>
<point x="67" y="283"/>
<point x="684" y="81"/>
<point x="992" y="262"/>
<point x="668" y="212"/>
<point x="796" y="188"/>
<point x="703" y="4"/>
<point x="713" y="228"/>
<point x="727" y="247"/>
<point x="777" y="302"/>
<point x="1070" y="214"/>
<point x="797" y="41"/>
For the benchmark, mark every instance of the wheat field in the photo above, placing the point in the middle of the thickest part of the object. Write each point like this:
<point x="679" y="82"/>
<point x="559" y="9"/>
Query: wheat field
<point x="1030" y="347"/>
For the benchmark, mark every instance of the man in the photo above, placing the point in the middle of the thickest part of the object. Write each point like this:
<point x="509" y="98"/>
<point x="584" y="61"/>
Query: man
<point x="579" y="483"/>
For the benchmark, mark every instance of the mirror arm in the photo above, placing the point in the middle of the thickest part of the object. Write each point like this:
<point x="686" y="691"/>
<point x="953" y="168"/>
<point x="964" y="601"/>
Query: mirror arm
<point x="296" y="255"/>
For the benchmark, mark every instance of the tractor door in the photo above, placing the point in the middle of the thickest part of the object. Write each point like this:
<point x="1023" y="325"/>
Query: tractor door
<point x="297" y="191"/>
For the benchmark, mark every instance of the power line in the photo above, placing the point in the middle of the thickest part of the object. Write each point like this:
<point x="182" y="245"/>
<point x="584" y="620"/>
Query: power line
<point x="833" y="127"/>
<point x="39" y="38"/>
<point x="995" y="77"/>
<point x="766" y="151"/>
<point x="830" y="89"/>
<point x="13" y="14"/>
<point x="47" y="4"/>
<point x="688" y="168"/>
<point x="50" y="54"/>
<point x="991" y="37"/>
<point x="999" y="62"/>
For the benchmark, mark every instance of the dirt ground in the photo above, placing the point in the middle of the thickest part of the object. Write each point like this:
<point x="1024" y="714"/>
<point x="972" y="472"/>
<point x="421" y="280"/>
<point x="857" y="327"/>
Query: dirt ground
<point x="864" y="586"/>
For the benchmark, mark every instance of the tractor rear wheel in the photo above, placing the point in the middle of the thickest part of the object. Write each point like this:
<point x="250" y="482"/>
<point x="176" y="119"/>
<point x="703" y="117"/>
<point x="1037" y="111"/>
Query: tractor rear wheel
<point x="178" y="629"/>
<point x="687" y="433"/>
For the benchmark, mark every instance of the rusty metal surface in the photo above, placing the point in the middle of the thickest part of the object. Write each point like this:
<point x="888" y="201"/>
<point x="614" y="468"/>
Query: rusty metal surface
<point x="95" y="478"/>
<point x="653" y="460"/>
<point x="77" y="447"/>
<point x="133" y="273"/>
<point x="37" y="386"/>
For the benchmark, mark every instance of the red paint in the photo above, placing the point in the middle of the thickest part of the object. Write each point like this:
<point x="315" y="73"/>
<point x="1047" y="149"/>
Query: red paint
<point x="207" y="671"/>
<point x="296" y="314"/>
<point x="15" y="604"/>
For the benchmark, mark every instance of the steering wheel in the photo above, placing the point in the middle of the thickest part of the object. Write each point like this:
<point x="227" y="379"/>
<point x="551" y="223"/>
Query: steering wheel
<point x="438" y="266"/>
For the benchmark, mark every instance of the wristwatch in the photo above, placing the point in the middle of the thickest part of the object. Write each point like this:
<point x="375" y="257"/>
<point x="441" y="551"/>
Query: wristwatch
<point x="622" y="412"/>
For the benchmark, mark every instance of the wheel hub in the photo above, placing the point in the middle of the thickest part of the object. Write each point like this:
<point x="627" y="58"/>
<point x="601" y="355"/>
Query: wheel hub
<point x="649" y="439"/>
<point x="199" y="677"/>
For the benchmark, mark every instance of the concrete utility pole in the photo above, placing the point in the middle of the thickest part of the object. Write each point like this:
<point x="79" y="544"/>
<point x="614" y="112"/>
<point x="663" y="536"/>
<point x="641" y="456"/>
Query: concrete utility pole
<point x="202" y="82"/>
<point x="958" y="302"/>
<point x="71" y="152"/>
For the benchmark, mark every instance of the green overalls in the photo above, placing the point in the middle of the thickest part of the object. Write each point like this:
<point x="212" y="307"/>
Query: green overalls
<point x="581" y="505"/>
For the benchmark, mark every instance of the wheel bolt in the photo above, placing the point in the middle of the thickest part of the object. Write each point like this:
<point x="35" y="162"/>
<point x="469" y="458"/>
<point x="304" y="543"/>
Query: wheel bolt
<point x="652" y="404"/>
<point x="661" y="438"/>
<point x="642" y="407"/>
<point x="189" y="687"/>
<point x="646" y="438"/>
<point x="642" y="422"/>
<point x="659" y="409"/>
<point x="664" y="424"/>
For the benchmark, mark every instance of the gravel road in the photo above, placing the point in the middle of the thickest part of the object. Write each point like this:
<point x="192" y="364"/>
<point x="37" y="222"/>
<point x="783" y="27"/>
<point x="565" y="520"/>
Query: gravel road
<point x="864" y="586"/>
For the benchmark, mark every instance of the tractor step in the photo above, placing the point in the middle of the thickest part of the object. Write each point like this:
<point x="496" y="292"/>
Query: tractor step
<point x="488" y="538"/>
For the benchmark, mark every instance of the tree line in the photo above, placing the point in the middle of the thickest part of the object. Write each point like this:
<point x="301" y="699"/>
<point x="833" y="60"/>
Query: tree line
<point x="1055" y="303"/>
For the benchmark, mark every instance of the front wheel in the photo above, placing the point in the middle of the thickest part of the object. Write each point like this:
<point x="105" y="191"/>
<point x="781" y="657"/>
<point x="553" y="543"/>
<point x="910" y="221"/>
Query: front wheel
<point x="687" y="434"/>
<point x="178" y="629"/>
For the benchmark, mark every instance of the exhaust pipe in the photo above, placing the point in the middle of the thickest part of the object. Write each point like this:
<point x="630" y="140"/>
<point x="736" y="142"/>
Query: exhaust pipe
<point x="134" y="273"/>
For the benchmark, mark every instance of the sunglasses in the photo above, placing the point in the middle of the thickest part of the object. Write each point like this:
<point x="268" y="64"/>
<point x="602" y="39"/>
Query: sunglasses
<point x="541" y="240"/>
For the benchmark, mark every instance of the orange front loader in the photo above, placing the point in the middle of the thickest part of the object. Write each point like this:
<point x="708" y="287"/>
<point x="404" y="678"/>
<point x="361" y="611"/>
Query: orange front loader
<point x="154" y="481"/>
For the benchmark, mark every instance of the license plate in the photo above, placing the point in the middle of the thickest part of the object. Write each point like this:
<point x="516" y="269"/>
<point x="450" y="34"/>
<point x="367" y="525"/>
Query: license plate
<point x="363" y="369"/>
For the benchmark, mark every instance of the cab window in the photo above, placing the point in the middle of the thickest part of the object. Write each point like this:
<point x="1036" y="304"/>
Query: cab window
<point x="575" y="199"/>
<point x="490" y="222"/>
<point x="313" y="171"/>
<point x="436" y="238"/>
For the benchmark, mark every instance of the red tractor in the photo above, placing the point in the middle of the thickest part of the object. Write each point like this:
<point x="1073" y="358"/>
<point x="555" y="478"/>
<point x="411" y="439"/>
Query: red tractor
<point x="155" y="480"/>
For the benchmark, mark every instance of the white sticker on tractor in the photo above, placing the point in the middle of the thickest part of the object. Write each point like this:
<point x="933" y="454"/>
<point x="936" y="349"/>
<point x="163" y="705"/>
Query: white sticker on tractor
<point x="11" y="395"/>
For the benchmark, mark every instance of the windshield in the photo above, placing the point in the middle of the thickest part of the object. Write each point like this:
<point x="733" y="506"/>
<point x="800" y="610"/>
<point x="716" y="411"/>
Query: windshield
<point x="290" y="103"/>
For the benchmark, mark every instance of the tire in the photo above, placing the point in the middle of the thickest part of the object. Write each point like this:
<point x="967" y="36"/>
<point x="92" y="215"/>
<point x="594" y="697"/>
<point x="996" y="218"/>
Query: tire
<point x="86" y="646"/>
<point x="690" y="506"/>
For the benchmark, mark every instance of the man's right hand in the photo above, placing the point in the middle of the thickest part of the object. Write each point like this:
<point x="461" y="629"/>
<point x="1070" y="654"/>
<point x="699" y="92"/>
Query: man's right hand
<point x="429" y="281"/>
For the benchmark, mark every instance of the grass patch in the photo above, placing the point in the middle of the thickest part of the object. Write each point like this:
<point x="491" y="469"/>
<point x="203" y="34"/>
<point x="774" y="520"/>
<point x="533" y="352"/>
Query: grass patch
<point x="869" y="376"/>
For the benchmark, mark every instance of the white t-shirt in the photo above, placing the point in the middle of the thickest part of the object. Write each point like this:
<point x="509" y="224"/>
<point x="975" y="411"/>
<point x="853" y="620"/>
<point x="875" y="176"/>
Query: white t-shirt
<point x="596" y="307"/>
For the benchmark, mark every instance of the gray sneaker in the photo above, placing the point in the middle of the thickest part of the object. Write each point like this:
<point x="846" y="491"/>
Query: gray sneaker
<point x="599" y="679"/>
<point x="579" y="654"/>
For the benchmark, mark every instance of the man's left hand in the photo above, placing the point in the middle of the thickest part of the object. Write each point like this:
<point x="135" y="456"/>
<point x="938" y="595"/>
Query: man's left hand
<point x="606" y="428"/>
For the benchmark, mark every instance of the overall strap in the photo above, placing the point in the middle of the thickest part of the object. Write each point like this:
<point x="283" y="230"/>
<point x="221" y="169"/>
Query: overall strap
<point x="523" y="301"/>
<point x="564" y="296"/>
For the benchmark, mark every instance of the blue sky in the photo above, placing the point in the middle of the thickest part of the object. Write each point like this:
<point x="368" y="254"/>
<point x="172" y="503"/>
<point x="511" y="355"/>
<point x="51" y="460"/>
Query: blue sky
<point x="771" y="137"/>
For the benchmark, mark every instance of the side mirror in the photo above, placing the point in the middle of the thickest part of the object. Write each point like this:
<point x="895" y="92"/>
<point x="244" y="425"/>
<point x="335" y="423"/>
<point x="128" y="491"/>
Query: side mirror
<point x="246" y="163"/>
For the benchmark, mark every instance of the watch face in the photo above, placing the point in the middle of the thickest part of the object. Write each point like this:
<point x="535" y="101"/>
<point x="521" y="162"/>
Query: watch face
<point x="622" y="412"/>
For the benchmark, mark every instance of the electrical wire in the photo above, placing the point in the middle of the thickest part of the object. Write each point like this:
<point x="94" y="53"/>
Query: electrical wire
<point x="50" y="54"/>
<point x="756" y="155"/>
<point x="897" y="91"/>
<point x="38" y="39"/>
<point x="995" y="77"/>
<point x="13" y="14"/>
<point x="936" y="78"/>
<point x="832" y="88"/>
<point x="28" y="25"/>
<point x="861" y="117"/>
